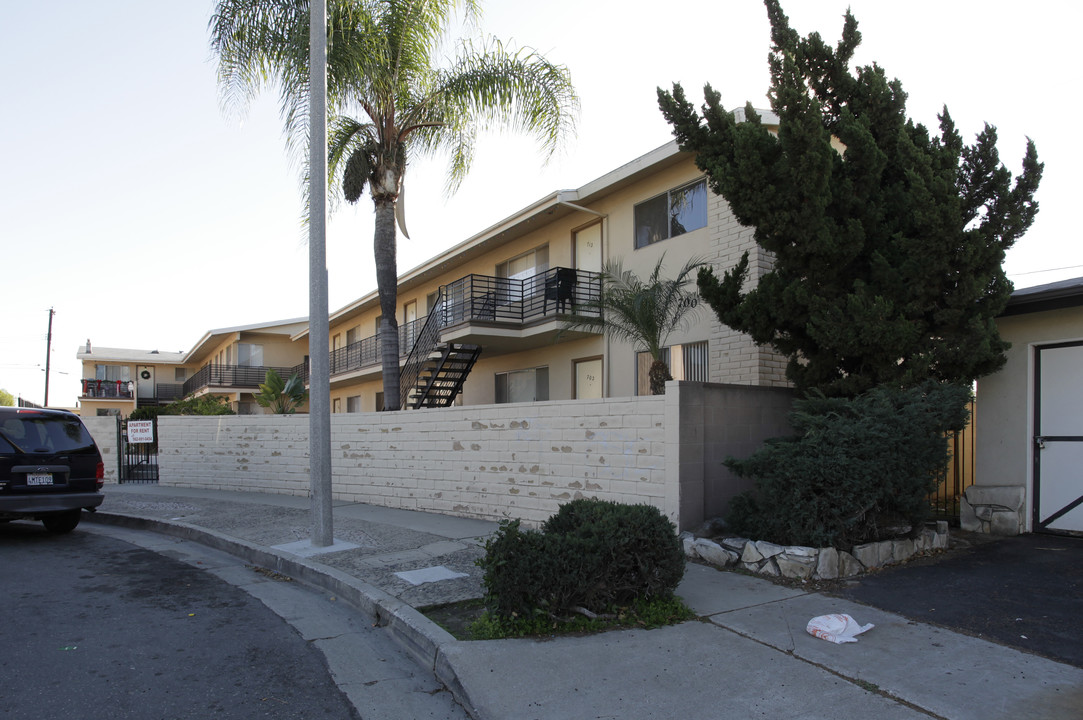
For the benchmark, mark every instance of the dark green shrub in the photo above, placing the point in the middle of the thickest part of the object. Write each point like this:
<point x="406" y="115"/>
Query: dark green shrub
<point x="592" y="554"/>
<point x="855" y="467"/>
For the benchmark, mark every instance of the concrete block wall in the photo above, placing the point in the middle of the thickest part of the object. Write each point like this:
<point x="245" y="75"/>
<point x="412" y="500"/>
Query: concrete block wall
<point x="104" y="431"/>
<point x="497" y="461"/>
<point x="493" y="461"/>
<point x="260" y="453"/>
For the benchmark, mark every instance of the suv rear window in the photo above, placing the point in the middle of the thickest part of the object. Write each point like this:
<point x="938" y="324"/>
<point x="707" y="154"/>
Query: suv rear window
<point x="44" y="433"/>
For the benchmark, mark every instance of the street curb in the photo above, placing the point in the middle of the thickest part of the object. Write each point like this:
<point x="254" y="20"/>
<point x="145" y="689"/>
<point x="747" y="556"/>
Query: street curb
<point x="422" y="638"/>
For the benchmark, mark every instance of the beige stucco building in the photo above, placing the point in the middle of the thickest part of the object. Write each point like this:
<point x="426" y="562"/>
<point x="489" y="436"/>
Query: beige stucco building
<point x="231" y="362"/>
<point x="1029" y="419"/>
<point x="506" y="289"/>
<point x="494" y="306"/>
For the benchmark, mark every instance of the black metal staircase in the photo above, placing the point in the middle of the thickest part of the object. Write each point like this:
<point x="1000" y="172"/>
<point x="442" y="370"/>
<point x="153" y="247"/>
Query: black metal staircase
<point x="442" y="377"/>
<point x="434" y="372"/>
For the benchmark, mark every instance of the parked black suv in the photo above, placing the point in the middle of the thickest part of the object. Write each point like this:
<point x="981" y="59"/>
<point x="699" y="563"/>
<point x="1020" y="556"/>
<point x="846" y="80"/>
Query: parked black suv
<point x="50" y="468"/>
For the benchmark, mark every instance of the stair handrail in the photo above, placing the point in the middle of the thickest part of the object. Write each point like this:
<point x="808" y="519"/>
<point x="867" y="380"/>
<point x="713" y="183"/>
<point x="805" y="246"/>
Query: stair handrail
<point x="427" y="341"/>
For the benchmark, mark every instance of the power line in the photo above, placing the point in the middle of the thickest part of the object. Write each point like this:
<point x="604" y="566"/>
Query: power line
<point x="1035" y="272"/>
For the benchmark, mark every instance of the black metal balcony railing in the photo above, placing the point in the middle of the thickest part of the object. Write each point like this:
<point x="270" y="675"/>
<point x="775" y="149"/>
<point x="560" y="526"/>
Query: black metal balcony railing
<point x="232" y="376"/>
<point x="109" y="389"/>
<point x="474" y="298"/>
<point x="517" y="300"/>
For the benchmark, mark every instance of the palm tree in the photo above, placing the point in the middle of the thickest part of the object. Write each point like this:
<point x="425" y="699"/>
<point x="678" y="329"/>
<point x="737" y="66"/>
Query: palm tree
<point x="641" y="312"/>
<point x="390" y="102"/>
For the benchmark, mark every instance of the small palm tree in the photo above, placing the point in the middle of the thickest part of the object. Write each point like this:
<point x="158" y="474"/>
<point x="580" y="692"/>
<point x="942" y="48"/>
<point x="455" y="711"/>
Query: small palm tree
<point x="641" y="312"/>
<point x="392" y="100"/>
<point x="282" y="397"/>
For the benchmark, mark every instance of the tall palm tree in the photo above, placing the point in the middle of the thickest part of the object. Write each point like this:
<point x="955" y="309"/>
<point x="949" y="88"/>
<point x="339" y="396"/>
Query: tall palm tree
<point x="641" y="312"/>
<point x="391" y="101"/>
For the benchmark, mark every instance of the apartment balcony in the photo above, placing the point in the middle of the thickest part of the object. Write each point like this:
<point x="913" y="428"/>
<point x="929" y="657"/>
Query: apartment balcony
<point x="163" y="393"/>
<point x="501" y="315"/>
<point x="505" y="315"/>
<point x="233" y="377"/>
<point x="108" y="389"/>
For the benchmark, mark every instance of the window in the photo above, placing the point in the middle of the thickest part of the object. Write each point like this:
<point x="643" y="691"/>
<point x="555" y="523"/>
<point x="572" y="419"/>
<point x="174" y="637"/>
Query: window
<point x="379" y="402"/>
<point x="248" y="355"/>
<point x="588" y="378"/>
<point x="112" y="372"/>
<point x="522" y="385"/>
<point x="686" y="362"/>
<point x="526" y="265"/>
<point x="180" y="374"/>
<point x="673" y="213"/>
<point x="353" y="404"/>
<point x="353" y="335"/>
<point x="336" y="405"/>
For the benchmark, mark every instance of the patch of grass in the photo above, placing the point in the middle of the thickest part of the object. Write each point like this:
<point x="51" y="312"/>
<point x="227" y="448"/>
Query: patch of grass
<point x="469" y="620"/>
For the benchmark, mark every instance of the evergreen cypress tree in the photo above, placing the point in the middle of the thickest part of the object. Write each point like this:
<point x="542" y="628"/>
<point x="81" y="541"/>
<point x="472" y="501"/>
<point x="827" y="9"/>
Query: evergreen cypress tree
<point x="887" y="246"/>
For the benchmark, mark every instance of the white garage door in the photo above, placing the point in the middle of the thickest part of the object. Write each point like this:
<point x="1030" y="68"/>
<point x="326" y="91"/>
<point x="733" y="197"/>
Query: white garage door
<point x="1058" y="459"/>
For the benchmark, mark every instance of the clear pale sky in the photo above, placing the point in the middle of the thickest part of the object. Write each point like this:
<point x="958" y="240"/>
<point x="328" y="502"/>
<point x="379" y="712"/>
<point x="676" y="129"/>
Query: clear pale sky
<point x="133" y="206"/>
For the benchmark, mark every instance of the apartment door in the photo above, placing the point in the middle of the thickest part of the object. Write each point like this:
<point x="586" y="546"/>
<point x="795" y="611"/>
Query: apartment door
<point x="1058" y="438"/>
<point x="145" y="382"/>
<point x="588" y="248"/>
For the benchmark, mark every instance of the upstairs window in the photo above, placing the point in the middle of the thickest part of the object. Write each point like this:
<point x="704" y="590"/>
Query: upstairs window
<point x="112" y="372"/>
<point x="672" y="213"/>
<point x="248" y="355"/>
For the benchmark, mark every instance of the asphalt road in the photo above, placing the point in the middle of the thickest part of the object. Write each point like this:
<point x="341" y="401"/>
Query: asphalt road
<point x="95" y="627"/>
<point x="1025" y="591"/>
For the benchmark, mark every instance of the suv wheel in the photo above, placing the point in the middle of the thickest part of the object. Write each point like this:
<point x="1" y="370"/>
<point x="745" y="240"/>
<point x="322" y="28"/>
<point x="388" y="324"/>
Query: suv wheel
<point x="62" y="522"/>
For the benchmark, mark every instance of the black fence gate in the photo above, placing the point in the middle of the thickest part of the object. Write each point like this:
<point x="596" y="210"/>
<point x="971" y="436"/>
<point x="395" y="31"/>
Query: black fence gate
<point x="137" y="461"/>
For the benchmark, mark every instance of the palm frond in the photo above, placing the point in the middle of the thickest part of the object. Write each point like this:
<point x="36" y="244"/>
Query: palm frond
<point x="643" y="313"/>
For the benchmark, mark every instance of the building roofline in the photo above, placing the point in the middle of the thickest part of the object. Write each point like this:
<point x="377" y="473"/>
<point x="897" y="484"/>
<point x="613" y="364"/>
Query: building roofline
<point x="1050" y="296"/>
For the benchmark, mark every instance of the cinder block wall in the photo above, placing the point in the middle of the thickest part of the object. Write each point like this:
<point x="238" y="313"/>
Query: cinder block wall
<point x="496" y="461"/>
<point x="493" y="461"/>
<point x="104" y="431"/>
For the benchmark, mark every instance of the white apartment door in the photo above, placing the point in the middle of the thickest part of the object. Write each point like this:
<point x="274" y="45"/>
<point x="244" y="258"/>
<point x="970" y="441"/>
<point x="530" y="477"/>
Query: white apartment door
<point x="145" y="382"/>
<point x="588" y="248"/>
<point x="1058" y="438"/>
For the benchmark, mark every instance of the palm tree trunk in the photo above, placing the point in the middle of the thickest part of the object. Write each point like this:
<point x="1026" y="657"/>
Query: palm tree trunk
<point x="384" y="244"/>
<point x="658" y="375"/>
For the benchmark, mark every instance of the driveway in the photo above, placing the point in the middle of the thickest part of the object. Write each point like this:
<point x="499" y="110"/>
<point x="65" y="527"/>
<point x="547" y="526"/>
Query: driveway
<point x="1025" y="591"/>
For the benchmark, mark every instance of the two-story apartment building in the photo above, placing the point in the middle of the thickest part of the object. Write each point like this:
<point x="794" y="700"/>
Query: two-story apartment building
<point x="228" y="361"/>
<point x="483" y="323"/>
<point x="493" y="304"/>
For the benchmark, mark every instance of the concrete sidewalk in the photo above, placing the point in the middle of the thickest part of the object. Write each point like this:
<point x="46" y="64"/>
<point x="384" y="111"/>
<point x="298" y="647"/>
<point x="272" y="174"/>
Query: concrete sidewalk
<point x="748" y="656"/>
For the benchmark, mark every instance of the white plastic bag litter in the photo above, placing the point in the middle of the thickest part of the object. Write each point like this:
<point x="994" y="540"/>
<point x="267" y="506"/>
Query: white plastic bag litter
<point x="837" y="628"/>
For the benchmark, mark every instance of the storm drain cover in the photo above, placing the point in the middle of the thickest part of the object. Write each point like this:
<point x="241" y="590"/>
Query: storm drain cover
<point x="429" y="574"/>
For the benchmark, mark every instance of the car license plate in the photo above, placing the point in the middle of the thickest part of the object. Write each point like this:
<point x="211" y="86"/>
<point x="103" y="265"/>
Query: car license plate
<point x="39" y="479"/>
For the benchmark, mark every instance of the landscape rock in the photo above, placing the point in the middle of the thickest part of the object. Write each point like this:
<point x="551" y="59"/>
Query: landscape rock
<point x="868" y="555"/>
<point x="768" y="549"/>
<point x="750" y="554"/>
<point x="714" y="553"/>
<point x="799" y="567"/>
<point x="827" y="564"/>
<point x="849" y="565"/>
<point x="902" y="550"/>
<point x="736" y="544"/>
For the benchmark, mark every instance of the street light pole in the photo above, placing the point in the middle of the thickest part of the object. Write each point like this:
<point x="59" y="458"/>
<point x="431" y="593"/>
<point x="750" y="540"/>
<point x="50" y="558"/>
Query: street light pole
<point x="319" y="393"/>
<point x="48" y="352"/>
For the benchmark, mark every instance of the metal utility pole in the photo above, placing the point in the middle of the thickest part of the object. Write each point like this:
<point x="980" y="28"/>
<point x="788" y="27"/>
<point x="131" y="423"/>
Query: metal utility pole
<point x="48" y="352"/>
<point x="319" y="392"/>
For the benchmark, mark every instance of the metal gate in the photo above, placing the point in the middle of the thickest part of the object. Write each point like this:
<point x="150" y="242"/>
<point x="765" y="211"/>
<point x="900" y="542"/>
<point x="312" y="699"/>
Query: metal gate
<point x="1058" y="438"/>
<point x="137" y="462"/>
